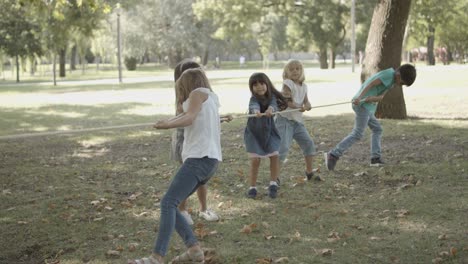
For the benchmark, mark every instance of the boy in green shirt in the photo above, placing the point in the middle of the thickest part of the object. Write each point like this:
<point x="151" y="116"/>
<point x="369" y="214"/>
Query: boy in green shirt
<point x="365" y="102"/>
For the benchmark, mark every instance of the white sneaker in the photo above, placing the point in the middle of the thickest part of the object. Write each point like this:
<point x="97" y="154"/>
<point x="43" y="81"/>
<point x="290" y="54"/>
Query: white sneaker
<point x="208" y="215"/>
<point x="187" y="217"/>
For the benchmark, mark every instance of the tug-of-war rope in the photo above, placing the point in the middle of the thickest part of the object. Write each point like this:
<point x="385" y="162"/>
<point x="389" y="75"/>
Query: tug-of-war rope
<point x="62" y="132"/>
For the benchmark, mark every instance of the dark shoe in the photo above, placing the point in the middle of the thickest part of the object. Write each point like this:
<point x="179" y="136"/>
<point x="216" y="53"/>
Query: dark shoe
<point x="330" y="161"/>
<point x="273" y="191"/>
<point x="376" y="162"/>
<point x="252" y="193"/>
<point x="311" y="176"/>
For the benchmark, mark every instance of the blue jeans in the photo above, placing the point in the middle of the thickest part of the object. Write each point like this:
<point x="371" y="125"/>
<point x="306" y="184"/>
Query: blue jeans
<point x="289" y="130"/>
<point x="363" y="118"/>
<point x="193" y="173"/>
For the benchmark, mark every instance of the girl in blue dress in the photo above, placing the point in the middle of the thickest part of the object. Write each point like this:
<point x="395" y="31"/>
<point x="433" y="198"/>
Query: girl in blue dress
<point x="261" y="137"/>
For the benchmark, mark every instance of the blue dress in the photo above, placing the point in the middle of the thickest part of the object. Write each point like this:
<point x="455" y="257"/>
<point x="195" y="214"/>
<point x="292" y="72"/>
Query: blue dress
<point x="261" y="136"/>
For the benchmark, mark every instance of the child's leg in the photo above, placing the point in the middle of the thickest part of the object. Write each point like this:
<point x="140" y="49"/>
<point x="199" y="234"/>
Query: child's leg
<point x="360" y="122"/>
<point x="274" y="168"/>
<point x="254" y="165"/>
<point x="305" y="142"/>
<point x="202" y="192"/>
<point x="286" y="133"/>
<point x="376" y="128"/>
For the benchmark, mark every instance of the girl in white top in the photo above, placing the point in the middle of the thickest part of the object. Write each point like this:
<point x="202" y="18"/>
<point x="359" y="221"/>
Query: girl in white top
<point x="201" y="154"/>
<point x="291" y="125"/>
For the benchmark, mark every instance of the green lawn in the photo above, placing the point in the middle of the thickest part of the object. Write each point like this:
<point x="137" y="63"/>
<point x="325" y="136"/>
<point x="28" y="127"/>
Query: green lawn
<point x="72" y="198"/>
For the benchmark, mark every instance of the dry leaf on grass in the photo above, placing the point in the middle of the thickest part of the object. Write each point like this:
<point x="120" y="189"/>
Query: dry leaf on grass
<point x="281" y="260"/>
<point x="113" y="253"/>
<point x="247" y="229"/>
<point x="263" y="261"/>
<point x="402" y="213"/>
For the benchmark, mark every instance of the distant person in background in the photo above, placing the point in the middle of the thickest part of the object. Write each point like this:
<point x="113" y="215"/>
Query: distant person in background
<point x="241" y="61"/>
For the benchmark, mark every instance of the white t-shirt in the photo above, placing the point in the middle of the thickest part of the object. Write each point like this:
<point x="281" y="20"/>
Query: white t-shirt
<point x="203" y="137"/>
<point x="298" y="93"/>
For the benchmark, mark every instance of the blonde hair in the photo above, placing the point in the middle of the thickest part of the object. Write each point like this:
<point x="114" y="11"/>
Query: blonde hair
<point x="286" y="71"/>
<point x="190" y="80"/>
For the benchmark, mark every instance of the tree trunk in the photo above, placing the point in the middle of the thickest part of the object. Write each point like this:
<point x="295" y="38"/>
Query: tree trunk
<point x="54" y="69"/>
<point x="383" y="51"/>
<point x="332" y="58"/>
<point x="206" y="55"/>
<point x="430" y="46"/>
<point x="73" y="58"/>
<point x="17" y="68"/>
<point x="323" y="58"/>
<point x="62" y="63"/>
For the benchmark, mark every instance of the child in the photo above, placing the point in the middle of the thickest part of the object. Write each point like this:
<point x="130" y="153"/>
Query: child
<point x="291" y="125"/>
<point x="364" y="105"/>
<point x="201" y="154"/>
<point x="261" y="137"/>
<point x="176" y="152"/>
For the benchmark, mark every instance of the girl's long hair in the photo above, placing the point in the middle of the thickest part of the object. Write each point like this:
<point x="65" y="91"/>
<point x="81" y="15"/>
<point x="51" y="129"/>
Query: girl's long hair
<point x="188" y="81"/>
<point x="260" y="77"/>
<point x="286" y="71"/>
<point x="178" y="70"/>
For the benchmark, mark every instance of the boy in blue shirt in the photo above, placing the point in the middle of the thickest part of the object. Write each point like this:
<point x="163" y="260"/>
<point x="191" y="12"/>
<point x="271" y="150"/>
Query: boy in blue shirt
<point x="365" y="102"/>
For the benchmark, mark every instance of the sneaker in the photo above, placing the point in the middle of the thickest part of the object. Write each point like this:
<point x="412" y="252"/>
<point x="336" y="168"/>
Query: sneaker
<point x="273" y="191"/>
<point x="376" y="162"/>
<point x="252" y="193"/>
<point x="208" y="215"/>
<point x="330" y="161"/>
<point x="187" y="217"/>
<point x="311" y="176"/>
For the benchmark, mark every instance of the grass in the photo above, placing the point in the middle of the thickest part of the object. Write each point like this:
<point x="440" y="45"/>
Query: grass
<point x="72" y="198"/>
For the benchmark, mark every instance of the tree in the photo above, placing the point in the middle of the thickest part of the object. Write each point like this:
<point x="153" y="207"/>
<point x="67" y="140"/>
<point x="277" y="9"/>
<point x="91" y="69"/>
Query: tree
<point x="383" y="50"/>
<point x="19" y="33"/>
<point x="321" y="22"/>
<point x="426" y="17"/>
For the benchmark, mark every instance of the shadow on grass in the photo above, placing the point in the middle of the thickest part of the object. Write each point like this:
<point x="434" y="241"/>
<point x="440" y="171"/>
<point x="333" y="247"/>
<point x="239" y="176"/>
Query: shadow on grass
<point x="74" y="197"/>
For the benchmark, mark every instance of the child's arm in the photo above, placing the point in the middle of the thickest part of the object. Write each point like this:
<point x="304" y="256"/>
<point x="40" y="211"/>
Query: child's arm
<point x="196" y="100"/>
<point x="254" y="107"/>
<point x="306" y="104"/>
<point x="374" y="83"/>
<point x="288" y="96"/>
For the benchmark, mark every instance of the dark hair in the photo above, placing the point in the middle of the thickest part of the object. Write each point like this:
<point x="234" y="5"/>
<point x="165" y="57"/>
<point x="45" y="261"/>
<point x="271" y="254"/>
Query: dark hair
<point x="407" y="74"/>
<point x="184" y="65"/>
<point x="260" y="77"/>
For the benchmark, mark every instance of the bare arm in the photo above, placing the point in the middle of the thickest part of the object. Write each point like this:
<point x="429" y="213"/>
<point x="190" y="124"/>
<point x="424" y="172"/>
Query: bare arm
<point x="306" y="104"/>
<point x="288" y="94"/>
<point x="196" y="100"/>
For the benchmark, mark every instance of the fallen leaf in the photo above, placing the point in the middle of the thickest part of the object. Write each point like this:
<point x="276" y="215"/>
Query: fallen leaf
<point x="437" y="260"/>
<point x="263" y="260"/>
<point x="443" y="237"/>
<point x="113" y="253"/>
<point x="453" y="251"/>
<point x="281" y="260"/>
<point x="326" y="252"/>
<point x="402" y="213"/>
<point x="444" y="254"/>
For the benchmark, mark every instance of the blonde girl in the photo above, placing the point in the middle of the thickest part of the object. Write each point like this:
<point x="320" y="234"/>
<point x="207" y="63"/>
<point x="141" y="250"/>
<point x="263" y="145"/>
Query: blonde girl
<point x="201" y="154"/>
<point x="291" y="125"/>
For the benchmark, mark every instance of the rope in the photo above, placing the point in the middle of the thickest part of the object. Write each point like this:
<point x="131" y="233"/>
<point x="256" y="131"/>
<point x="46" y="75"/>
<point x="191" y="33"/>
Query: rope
<point x="62" y="132"/>
<point x="290" y="110"/>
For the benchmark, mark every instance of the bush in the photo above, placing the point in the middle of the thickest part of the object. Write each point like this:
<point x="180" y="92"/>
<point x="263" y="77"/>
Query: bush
<point x="130" y="63"/>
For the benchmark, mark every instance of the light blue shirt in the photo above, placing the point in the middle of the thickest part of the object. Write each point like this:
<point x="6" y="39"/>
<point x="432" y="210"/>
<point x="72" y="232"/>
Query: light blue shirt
<point x="387" y="77"/>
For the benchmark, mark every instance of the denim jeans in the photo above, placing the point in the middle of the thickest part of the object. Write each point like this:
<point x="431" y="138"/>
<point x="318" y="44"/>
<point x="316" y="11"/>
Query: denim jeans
<point x="289" y="130"/>
<point x="363" y="118"/>
<point x="193" y="173"/>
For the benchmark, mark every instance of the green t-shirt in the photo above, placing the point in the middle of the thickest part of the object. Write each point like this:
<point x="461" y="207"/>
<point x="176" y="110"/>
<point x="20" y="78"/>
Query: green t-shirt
<point x="387" y="77"/>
